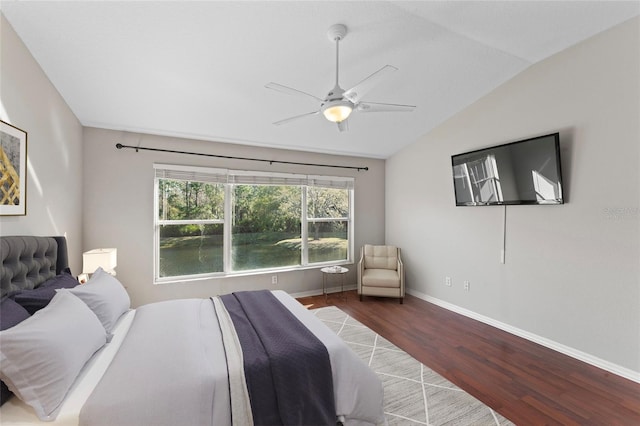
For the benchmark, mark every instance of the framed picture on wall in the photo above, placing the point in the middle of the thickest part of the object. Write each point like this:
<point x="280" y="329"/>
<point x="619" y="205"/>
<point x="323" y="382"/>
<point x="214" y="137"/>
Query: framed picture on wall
<point x="13" y="170"/>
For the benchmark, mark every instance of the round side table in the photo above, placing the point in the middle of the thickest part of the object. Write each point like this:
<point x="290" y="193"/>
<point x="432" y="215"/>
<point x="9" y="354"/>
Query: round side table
<point x="333" y="270"/>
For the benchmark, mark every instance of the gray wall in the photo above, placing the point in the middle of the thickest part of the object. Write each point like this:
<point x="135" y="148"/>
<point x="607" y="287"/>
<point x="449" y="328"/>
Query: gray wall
<point x="54" y="147"/>
<point x="118" y="207"/>
<point x="571" y="276"/>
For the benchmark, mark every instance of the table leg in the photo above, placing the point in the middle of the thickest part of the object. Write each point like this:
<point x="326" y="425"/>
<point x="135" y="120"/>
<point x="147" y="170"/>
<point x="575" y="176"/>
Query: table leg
<point x="324" y="286"/>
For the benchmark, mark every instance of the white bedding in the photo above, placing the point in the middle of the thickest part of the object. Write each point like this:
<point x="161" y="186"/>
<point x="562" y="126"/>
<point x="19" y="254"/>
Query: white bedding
<point x="16" y="412"/>
<point x="357" y="390"/>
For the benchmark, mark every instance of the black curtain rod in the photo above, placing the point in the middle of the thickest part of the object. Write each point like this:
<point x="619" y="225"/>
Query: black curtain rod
<point x="137" y="148"/>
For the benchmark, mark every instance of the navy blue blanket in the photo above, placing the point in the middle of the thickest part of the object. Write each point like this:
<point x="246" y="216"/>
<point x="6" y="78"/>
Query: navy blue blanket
<point x="287" y="369"/>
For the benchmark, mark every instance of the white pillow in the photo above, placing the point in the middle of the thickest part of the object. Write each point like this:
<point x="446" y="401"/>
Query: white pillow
<point x="105" y="296"/>
<point x="41" y="357"/>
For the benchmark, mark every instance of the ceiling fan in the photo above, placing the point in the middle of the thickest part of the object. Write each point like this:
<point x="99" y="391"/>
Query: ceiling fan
<point x="339" y="103"/>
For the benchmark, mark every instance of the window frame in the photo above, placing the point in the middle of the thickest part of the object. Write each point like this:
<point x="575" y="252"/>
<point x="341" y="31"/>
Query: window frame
<point x="230" y="178"/>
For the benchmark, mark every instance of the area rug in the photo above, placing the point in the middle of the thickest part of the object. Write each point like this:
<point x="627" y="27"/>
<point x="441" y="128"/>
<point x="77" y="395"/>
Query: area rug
<point x="413" y="393"/>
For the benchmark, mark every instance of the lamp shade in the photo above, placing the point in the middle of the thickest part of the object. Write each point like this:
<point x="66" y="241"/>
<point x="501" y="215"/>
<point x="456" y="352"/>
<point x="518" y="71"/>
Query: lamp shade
<point x="106" y="258"/>
<point x="337" y="110"/>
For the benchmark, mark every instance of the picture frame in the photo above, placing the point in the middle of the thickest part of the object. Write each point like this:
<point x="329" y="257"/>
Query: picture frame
<point x="13" y="170"/>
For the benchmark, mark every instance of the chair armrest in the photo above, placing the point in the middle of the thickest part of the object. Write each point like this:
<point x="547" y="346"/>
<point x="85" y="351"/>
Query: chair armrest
<point x="401" y="272"/>
<point x="360" y="270"/>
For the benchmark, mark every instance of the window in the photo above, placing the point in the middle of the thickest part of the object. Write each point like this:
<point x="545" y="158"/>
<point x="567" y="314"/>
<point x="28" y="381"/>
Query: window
<point x="265" y="232"/>
<point x="214" y="222"/>
<point x="327" y="224"/>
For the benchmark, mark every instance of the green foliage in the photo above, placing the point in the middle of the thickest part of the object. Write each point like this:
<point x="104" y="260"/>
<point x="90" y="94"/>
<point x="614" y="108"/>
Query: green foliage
<point x="264" y="209"/>
<point x="258" y="210"/>
<point x="327" y="203"/>
<point x="187" y="200"/>
<point x="191" y="230"/>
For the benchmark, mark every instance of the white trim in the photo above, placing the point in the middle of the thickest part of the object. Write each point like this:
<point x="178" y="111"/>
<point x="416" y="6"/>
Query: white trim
<point x="574" y="353"/>
<point x="304" y="231"/>
<point x="226" y="230"/>
<point x="191" y="221"/>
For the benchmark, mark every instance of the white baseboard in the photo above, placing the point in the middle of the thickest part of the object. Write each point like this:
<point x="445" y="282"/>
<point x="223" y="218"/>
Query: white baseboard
<point x="574" y="353"/>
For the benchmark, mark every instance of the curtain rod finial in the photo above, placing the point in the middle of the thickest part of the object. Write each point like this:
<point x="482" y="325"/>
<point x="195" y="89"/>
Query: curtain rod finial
<point x="119" y="145"/>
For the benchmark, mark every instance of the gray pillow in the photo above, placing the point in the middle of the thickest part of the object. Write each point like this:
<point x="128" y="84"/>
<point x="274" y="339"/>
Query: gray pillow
<point x="41" y="357"/>
<point x="105" y="296"/>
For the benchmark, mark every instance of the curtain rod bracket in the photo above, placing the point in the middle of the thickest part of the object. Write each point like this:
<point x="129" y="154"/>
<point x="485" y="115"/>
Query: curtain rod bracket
<point x="271" y="162"/>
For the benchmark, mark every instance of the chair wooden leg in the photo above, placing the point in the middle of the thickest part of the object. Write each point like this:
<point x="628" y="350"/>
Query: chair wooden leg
<point x="361" y="298"/>
<point x="402" y="300"/>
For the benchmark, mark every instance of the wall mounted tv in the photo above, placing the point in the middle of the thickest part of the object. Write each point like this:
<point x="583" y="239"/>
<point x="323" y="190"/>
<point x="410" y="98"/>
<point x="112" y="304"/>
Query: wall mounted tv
<point x="522" y="172"/>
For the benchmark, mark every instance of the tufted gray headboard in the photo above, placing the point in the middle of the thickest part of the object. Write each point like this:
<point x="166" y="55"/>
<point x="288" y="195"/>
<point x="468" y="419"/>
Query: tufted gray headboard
<point x="28" y="261"/>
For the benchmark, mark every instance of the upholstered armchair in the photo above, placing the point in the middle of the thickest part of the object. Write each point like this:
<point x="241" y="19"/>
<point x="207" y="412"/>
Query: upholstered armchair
<point x="380" y="272"/>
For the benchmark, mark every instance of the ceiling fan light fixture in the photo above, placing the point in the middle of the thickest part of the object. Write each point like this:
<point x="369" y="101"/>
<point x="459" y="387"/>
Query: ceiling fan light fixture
<point x="337" y="111"/>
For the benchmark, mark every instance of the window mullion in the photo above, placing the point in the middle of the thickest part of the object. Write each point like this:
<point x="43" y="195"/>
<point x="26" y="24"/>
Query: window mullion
<point x="304" y="232"/>
<point x="350" y="223"/>
<point x="189" y="222"/>
<point x="156" y="231"/>
<point x="328" y="219"/>
<point x="228" y="218"/>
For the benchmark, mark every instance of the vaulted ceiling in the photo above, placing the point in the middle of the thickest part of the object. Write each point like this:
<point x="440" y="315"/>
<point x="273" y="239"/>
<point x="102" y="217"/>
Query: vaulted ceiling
<point x="199" y="69"/>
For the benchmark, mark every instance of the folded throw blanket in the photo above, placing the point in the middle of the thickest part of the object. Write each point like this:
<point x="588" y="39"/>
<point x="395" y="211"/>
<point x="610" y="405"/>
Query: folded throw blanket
<point x="287" y="369"/>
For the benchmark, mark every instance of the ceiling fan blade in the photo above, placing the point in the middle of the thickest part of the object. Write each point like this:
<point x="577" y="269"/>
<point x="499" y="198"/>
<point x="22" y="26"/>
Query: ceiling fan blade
<point x="380" y="107"/>
<point x="287" y="120"/>
<point x="290" y="91"/>
<point x="343" y="125"/>
<point x="359" y="90"/>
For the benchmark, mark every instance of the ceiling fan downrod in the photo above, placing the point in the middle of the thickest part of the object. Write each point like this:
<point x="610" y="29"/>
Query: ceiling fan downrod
<point x="335" y="108"/>
<point x="336" y="33"/>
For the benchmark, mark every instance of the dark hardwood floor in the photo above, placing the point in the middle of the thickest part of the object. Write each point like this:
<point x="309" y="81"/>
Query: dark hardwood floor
<point x="525" y="382"/>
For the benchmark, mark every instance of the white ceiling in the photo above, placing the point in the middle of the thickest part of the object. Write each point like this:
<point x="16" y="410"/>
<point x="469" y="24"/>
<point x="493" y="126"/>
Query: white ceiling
<point x="198" y="69"/>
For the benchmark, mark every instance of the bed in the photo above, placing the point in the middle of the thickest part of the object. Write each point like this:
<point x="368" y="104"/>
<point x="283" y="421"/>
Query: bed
<point x="86" y="358"/>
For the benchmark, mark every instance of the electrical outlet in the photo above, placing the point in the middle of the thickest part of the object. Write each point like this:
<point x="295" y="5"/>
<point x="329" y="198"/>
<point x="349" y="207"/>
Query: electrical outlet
<point x="447" y="281"/>
<point x="467" y="286"/>
<point x="274" y="279"/>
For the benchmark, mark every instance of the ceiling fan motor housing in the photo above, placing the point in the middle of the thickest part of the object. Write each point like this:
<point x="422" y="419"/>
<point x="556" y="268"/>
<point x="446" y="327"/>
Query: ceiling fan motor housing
<point x="335" y="93"/>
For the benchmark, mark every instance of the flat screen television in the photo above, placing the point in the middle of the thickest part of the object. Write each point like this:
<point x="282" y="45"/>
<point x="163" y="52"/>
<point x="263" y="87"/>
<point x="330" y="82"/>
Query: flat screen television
<point x="522" y="172"/>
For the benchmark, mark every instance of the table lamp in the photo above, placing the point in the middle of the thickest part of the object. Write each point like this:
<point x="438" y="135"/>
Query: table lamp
<point x="106" y="258"/>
